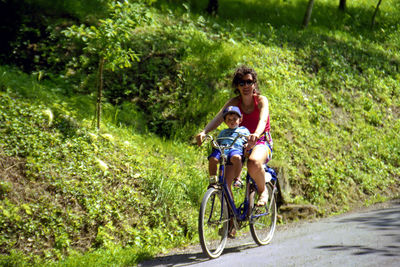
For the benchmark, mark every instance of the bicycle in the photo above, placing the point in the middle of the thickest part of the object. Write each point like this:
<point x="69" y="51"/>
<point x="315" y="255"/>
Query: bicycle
<point x="218" y="209"/>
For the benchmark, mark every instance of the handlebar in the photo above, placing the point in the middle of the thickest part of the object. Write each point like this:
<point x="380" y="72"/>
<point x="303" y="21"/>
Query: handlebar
<point x="215" y="144"/>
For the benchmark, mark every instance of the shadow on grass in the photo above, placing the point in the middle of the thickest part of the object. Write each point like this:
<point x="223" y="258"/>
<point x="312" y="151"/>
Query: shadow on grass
<point x="290" y="14"/>
<point x="277" y="23"/>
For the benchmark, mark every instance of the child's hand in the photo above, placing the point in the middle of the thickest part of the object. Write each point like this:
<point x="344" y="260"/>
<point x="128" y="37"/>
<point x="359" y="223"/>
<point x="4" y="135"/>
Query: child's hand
<point x="247" y="149"/>
<point x="200" y="137"/>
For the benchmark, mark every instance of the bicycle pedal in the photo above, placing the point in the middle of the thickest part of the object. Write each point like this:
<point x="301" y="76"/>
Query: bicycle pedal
<point x="259" y="210"/>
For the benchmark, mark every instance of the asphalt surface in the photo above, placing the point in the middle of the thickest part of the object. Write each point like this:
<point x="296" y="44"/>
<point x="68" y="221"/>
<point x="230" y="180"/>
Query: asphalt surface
<point x="369" y="237"/>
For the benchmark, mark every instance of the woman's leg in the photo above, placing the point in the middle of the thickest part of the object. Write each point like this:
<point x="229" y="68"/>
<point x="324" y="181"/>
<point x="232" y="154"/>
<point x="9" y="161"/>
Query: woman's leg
<point x="255" y="167"/>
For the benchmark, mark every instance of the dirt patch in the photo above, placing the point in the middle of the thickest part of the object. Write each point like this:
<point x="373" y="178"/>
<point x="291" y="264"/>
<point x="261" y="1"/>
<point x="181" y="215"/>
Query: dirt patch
<point x="12" y="173"/>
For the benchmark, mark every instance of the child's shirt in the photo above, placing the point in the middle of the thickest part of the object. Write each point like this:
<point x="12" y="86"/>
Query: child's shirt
<point x="233" y="133"/>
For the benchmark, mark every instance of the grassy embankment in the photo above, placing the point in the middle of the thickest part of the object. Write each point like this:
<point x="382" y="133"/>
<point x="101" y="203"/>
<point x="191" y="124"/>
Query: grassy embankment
<point x="124" y="193"/>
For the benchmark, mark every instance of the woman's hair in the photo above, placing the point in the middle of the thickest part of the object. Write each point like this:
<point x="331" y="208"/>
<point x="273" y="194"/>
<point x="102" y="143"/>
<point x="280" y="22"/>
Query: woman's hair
<point x="240" y="73"/>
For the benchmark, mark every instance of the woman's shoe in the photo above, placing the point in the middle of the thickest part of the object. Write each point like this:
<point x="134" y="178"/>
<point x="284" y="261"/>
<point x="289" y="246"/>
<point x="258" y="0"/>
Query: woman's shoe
<point x="263" y="199"/>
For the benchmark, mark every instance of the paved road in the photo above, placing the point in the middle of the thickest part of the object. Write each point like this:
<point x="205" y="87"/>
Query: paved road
<point x="366" y="238"/>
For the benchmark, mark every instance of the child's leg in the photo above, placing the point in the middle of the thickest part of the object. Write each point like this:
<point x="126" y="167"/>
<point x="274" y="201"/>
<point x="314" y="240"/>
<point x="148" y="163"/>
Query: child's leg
<point x="237" y="166"/>
<point x="229" y="176"/>
<point x="212" y="166"/>
<point x="213" y="160"/>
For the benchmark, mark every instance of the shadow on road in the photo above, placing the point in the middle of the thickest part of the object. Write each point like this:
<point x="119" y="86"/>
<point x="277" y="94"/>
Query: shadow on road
<point x="390" y="251"/>
<point x="190" y="258"/>
<point x="385" y="222"/>
<point x="375" y="225"/>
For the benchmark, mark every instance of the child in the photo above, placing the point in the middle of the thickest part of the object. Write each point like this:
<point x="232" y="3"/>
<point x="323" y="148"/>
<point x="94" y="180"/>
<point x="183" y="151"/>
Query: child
<point x="232" y="117"/>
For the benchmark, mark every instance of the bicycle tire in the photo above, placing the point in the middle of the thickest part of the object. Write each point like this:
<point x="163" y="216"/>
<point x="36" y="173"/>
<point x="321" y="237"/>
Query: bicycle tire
<point x="213" y="223"/>
<point x="263" y="219"/>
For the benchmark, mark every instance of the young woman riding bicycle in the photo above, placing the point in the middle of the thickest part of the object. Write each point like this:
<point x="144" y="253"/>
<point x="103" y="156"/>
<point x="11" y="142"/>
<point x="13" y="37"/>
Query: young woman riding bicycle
<point x="254" y="108"/>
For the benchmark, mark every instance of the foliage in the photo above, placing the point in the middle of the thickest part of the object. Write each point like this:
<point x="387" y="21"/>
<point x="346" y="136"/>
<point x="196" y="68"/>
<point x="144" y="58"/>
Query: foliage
<point x="81" y="190"/>
<point x="109" y="40"/>
<point x="30" y="29"/>
<point x="333" y="90"/>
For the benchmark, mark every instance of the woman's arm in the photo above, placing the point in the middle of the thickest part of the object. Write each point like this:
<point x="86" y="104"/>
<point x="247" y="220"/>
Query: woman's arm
<point x="264" y="112"/>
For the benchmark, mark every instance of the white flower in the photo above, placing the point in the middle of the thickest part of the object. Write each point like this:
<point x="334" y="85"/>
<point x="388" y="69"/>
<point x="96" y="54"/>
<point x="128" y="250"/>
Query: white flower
<point x="93" y="136"/>
<point x="49" y="114"/>
<point x="103" y="166"/>
<point x="108" y="137"/>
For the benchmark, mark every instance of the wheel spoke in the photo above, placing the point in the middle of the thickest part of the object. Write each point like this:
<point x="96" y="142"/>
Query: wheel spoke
<point x="213" y="223"/>
<point x="263" y="220"/>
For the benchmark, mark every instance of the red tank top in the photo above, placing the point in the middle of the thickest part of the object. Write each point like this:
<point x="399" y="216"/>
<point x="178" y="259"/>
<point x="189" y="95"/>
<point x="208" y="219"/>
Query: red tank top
<point x="250" y="121"/>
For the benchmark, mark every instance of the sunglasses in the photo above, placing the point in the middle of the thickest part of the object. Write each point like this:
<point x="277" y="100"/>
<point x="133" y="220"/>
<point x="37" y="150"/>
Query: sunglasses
<point x="246" y="82"/>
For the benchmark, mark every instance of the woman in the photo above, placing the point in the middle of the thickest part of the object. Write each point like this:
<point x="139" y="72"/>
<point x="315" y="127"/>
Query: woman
<point x="254" y="108"/>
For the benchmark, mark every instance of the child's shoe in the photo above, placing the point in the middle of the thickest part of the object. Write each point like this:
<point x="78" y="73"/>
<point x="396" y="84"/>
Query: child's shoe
<point x="238" y="183"/>
<point x="213" y="179"/>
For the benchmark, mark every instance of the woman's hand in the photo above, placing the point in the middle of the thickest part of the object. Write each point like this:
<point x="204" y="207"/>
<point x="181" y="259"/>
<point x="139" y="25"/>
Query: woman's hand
<point x="251" y="141"/>
<point x="200" y="137"/>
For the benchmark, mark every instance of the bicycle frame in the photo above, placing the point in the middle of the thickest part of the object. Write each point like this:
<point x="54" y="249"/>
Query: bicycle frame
<point x="219" y="216"/>
<point x="242" y="212"/>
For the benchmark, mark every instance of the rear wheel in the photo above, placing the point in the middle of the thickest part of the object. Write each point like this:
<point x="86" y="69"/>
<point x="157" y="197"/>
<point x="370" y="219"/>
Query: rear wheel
<point x="213" y="223"/>
<point x="263" y="219"/>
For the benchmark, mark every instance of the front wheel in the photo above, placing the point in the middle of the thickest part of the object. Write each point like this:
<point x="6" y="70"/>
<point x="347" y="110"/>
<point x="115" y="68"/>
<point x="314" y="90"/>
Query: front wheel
<point x="213" y="223"/>
<point x="263" y="219"/>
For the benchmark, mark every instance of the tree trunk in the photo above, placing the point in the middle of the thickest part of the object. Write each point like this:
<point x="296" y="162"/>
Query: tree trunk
<point x="307" y="16"/>
<point x="212" y="7"/>
<point x="99" y="92"/>
<point x="374" y="15"/>
<point x="342" y="5"/>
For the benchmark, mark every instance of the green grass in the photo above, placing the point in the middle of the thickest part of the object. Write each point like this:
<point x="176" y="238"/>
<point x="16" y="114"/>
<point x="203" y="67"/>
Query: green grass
<point x="84" y="190"/>
<point x="72" y="195"/>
